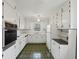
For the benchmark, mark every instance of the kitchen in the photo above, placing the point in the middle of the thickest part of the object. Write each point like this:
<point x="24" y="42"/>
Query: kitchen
<point x="39" y="29"/>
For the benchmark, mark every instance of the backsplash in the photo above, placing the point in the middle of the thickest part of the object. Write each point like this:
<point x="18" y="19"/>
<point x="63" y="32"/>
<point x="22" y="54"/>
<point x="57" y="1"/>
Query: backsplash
<point x="63" y="34"/>
<point x="21" y="32"/>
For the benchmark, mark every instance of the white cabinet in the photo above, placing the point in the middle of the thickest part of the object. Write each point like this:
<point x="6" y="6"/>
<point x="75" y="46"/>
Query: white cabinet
<point x="9" y="53"/>
<point x="59" y="51"/>
<point x="11" y="2"/>
<point x="9" y="12"/>
<point x="20" y="43"/>
<point x="13" y="51"/>
<point x="55" y="49"/>
<point x="18" y="46"/>
<point x="66" y="15"/>
<point x="20" y="21"/>
<point x="63" y="16"/>
<point x="59" y="23"/>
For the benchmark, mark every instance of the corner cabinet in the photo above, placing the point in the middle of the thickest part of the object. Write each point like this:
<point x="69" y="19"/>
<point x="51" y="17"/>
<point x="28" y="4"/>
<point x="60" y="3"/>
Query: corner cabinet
<point x="59" y="51"/>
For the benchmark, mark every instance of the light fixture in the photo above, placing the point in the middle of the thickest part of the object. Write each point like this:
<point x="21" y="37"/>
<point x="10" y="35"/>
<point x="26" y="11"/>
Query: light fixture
<point x="38" y="20"/>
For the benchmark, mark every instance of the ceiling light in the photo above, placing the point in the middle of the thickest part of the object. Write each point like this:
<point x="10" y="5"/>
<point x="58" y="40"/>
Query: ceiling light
<point x="38" y="20"/>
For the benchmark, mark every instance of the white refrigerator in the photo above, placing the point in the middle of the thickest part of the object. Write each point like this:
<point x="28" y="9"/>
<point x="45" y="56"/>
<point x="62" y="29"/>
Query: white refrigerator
<point x="48" y="42"/>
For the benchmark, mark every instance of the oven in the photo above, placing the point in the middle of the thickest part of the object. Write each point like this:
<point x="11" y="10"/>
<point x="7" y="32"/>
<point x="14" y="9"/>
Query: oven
<point x="10" y="35"/>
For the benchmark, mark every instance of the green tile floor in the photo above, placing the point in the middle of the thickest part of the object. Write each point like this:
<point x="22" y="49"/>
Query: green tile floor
<point x="35" y="51"/>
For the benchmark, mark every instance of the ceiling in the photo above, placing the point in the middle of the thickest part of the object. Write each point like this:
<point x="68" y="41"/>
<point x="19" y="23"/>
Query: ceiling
<point x="38" y="7"/>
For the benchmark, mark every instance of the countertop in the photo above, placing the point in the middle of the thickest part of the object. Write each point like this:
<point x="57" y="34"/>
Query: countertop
<point x="23" y="35"/>
<point x="60" y="41"/>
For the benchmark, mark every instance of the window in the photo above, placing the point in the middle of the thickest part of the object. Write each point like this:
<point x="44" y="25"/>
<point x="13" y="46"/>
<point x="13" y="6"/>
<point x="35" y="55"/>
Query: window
<point x="37" y="27"/>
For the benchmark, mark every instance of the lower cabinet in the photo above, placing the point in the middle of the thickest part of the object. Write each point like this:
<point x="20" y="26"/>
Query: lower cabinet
<point x="20" y="43"/>
<point x="59" y="51"/>
<point x="18" y="46"/>
<point x="13" y="51"/>
<point x="9" y="53"/>
<point x="55" y="49"/>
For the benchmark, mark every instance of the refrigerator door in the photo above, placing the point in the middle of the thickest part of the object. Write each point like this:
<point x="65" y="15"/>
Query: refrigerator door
<point x="48" y="37"/>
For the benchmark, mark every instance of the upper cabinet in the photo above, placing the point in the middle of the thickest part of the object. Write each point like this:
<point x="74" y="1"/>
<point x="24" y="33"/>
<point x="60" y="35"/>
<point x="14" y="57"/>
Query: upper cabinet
<point x="20" y="21"/>
<point x="63" y="16"/>
<point x="12" y="3"/>
<point x="9" y="11"/>
<point x="59" y="19"/>
<point x="66" y="15"/>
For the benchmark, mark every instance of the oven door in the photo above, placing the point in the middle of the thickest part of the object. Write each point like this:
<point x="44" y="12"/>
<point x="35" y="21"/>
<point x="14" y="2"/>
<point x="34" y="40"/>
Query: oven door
<point x="10" y="36"/>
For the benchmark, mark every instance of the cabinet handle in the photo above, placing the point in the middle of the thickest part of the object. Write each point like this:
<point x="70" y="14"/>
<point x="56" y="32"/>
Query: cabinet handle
<point x="69" y="11"/>
<point x="69" y="2"/>
<point x="18" y="36"/>
<point x="3" y="3"/>
<point x="59" y="47"/>
<point x="2" y="55"/>
<point x="69" y="25"/>
<point x="14" y="46"/>
<point x="69" y="6"/>
<point x="2" y="17"/>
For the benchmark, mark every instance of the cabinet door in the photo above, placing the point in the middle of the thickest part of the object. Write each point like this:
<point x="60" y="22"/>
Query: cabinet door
<point x="52" y="48"/>
<point x="59" y="19"/>
<point x="23" y="42"/>
<point x="18" y="45"/>
<point x="57" y="52"/>
<point x="55" y="49"/>
<point x="66" y="16"/>
<point x="22" y="23"/>
<point x="66" y="19"/>
<point x="9" y="53"/>
<point x="11" y="2"/>
<point x="26" y="39"/>
<point x="9" y="13"/>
